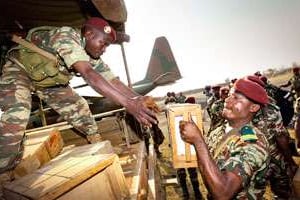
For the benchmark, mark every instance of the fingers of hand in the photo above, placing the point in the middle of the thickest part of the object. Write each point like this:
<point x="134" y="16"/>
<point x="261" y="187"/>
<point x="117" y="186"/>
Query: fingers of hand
<point x="151" y="104"/>
<point x="190" y="117"/>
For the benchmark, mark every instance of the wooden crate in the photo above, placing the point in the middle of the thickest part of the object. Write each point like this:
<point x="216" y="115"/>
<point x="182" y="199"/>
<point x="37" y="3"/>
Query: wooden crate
<point x="39" y="148"/>
<point x="183" y="154"/>
<point x="79" y="173"/>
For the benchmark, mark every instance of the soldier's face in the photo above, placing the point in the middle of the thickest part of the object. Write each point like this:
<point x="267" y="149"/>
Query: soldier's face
<point x="237" y="107"/>
<point x="97" y="43"/>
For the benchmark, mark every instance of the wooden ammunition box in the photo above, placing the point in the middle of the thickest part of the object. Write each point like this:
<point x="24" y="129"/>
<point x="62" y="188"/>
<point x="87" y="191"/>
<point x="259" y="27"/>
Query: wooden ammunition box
<point x="183" y="154"/>
<point x="83" y="172"/>
<point x="39" y="148"/>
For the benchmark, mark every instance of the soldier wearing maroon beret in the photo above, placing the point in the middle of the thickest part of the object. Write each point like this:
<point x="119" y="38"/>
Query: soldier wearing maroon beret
<point x="79" y="52"/>
<point x="234" y="158"/>
<point x="282" y="166"/>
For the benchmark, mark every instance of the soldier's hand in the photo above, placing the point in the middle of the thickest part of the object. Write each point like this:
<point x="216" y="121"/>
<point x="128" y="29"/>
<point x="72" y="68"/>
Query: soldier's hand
<point x="189" y="132"/>
<point x="138" y="108"/>
<point x="151" y="104"/>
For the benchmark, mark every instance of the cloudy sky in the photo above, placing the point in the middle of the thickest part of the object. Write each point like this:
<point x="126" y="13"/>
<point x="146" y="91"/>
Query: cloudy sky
<point x="217" y="39"/>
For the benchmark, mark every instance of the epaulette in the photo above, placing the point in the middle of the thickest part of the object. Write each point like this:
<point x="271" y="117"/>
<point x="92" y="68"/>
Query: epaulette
<point x="248" y="134"/>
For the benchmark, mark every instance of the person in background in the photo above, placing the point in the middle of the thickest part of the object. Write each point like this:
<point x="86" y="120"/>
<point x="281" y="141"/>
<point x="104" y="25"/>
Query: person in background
<point x="233" y="161"/>
<point x="77" y="52"/>
<point x="170" y="98"/>
<point x="217" y="108"/>
<point x="294" y="82"/>
<point x="181" y="98"/>
<point x="215" y="96"/>
<point x="282" y="166"/>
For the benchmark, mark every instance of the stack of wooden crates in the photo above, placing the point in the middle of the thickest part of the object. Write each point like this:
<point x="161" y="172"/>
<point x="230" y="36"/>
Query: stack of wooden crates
<point x="47" y="171"/>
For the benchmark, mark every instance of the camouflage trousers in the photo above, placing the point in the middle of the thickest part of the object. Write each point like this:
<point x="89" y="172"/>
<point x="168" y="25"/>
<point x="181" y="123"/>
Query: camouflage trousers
<point x="15" y="102"/>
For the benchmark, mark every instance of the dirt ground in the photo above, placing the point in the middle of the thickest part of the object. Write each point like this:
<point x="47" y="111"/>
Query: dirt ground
<point x="173" y="190"/>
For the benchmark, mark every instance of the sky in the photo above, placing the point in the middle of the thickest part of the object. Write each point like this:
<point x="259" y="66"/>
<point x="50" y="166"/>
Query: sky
<point x="211" y="40"/>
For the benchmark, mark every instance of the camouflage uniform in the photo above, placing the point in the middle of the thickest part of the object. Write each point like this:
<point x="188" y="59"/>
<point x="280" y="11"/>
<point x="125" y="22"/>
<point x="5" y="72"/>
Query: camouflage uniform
<point x="216" y="114"/>
<point x="210" y="102"/>
<point x="271" y="90"/>
<point x="181" y="99"/>
<point x="245" y="156"/>
<point x="16" y="89"/>
<point x="295" y="82"/>
<point x="269" y="121"/>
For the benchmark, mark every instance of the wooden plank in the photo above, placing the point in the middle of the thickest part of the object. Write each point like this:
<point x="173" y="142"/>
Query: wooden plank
<point x="183" y="154"/>
<point x="116" y="178"/>
<point x="39" y="148"/>
<point x="33" y="158"/>
<point x="54" y="143"/>
<point x="154" y="178"/>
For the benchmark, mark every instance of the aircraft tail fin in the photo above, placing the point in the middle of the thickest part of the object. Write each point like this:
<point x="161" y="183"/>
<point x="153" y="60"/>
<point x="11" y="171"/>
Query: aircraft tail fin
<point x="162" y="68"/>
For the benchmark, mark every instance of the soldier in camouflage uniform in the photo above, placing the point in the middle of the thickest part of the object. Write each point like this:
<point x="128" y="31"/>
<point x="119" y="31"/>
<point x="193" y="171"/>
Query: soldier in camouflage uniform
<point x="79" y="52"/>
<point x="282" y="166"/>
<point x="217" y="108"/>
<point x="294" y="82"/>
<point x="181" y="98"/>
<point x="215" y="96"/>
<point x="233" y="161"/>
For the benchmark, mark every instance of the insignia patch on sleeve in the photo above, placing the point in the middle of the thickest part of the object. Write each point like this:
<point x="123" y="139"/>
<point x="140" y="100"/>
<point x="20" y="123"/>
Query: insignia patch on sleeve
<point x="248" y="134"/>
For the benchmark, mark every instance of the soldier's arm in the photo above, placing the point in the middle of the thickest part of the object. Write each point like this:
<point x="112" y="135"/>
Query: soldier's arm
<point x="101" y="85"/>
<point x="286" y="85"/>
<point x="220" y="183"/>
<point x="120" y="86"/>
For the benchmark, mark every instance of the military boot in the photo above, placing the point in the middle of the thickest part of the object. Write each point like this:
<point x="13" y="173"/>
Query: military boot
<point x="94" y="138"/>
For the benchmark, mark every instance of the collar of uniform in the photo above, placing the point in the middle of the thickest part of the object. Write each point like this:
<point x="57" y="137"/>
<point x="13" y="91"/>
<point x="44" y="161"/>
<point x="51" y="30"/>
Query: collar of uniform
<point x="228" y="128"/>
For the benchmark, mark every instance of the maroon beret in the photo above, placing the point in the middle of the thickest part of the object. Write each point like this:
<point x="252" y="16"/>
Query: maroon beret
<point x="102" y="25"/>
<point x="256" y="79"/>
<point x="190" y="100"/>
<point x="263" y="79"/>
<point x="251" y="90"/>
<point x="224" y="90"/>
<point x="296" y="69"/>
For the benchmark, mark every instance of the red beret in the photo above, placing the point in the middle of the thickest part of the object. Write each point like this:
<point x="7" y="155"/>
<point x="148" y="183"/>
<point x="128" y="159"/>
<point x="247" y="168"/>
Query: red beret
<point x="216" y="87"/>
<point x="190" y="100"/>
<point x="251" y="90"/>
<point x="296" y="69"/>
<point x="263" y="79"/>
<point x="102" y="25"/>
<point x="224" y="90"/>
<point x="256" y="79"/>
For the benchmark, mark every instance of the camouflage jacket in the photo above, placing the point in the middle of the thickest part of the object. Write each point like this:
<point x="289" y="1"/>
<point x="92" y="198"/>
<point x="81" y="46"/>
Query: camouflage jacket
<point x="269" y="121"/>
<point x="295" y="81"/>
<point x="271" y="90"/>
<point x="68" y="44"/>
<point x="210" y="102"/>
<point x="216" y="114"/>
<point x="245" y="154"/>
<point x="180" y="99"/>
